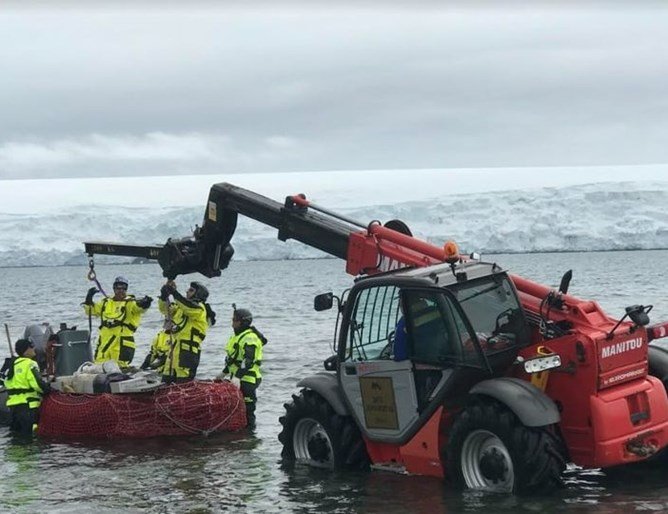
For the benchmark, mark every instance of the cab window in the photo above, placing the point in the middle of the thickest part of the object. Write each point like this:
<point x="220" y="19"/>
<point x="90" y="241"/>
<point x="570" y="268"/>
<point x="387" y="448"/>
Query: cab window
<point x="372" y="325"/>
<point x="495" y="314"/>
<point x="438" y="334"/>
<point x="421" y="325"/>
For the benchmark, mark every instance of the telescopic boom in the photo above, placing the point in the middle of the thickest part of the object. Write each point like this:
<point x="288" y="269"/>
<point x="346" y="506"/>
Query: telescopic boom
<point x="367" y="249"/>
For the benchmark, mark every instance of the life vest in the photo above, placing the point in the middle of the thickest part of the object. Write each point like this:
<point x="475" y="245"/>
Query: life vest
<point x="22" y="385"/>
<point x="119" y="313"/>
<point x="236" y="362"/>
<point x="119" y="320"/>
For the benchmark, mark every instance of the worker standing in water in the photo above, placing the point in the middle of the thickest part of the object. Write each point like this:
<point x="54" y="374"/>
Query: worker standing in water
<point x="120" y="316"/>
<point x="191" y="317"/>
<point x="244" y="358"/>
<point x="25" y="388"/>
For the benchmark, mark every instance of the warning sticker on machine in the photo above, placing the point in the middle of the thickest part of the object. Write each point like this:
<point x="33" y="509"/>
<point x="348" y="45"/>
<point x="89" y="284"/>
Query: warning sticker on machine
<point x="380" y="408"/>
<point x="212" y="211"/>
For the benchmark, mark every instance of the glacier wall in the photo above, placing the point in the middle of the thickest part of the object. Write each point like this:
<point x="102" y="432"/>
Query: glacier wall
<point x="584" y="217"/>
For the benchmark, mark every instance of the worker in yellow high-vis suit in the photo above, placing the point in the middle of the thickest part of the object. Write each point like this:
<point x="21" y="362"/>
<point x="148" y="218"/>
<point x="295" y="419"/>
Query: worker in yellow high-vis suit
<point x="160" y="348"/>
<point x="191" y="317"/>
<point x="25" y="388"/>
<point x="244" y="358"/>
<point x="120" y="316"/>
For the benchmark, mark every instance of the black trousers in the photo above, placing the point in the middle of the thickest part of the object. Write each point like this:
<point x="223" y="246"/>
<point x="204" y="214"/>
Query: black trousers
<point x="23" y="418"/>
<point x="250" y="399"/>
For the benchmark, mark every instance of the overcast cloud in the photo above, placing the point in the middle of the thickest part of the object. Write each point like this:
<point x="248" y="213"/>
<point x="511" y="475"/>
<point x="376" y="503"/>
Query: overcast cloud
<point x="126" y="90"/>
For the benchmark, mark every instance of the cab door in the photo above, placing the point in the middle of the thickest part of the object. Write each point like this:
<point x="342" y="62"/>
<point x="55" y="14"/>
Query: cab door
<point x="388" y="390"/>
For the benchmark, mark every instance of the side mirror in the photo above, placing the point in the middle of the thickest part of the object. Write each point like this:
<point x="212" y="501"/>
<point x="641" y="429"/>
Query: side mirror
<point x="323" y="302"/>
<point x="637" y="313"/>
<point x="331" y="363"/>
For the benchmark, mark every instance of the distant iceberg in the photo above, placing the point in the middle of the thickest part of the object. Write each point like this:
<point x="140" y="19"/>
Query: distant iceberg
<point x="585" y="217"/>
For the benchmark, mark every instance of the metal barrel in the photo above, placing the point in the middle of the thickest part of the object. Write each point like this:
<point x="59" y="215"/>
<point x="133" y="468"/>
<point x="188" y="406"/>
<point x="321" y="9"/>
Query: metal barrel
<point x="72" y="350"/>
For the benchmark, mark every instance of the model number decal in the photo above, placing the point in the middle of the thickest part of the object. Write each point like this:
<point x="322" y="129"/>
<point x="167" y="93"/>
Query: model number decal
<point x="624" y="376"/>
<point x="624" y="346"/>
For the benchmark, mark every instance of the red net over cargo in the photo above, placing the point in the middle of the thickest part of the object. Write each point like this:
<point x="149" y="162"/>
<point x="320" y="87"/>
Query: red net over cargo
<point x="196" y="407"/>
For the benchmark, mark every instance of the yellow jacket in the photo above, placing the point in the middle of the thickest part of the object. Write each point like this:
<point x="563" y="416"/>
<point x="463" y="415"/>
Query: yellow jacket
<point x="191" y="325"/>
<point x="119" y="319"/>
<point x="160" y="349"/>
<point x="25" y="385"/>
<point x="244" y="356"/>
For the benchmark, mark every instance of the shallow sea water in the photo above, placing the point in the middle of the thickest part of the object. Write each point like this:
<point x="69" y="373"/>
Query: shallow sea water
<point x="242" y="471"/>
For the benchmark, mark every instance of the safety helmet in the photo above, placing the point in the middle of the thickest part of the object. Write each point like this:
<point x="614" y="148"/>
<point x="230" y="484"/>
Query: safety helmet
<point x="121" y="280"/>
<point x="201" y="292"/>
<point x="22" y="345"/>
<point x="243" y="315"/>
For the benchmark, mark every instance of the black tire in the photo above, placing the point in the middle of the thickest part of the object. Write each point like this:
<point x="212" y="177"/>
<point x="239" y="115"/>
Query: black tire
<point x="657" y="356"/>
<point x="490" y="449"/>
<point x="316" y="435"/>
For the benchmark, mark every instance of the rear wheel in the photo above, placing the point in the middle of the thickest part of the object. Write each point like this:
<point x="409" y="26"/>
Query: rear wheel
<point x="316" y="435"/>
<point x="490" y="449"/>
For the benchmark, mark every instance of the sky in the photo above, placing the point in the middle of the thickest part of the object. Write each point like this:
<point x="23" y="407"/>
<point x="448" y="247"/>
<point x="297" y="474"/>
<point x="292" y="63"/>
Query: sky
<point x="165" y="88"/>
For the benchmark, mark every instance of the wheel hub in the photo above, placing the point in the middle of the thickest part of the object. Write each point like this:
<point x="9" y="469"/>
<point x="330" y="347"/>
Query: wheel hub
<point x="486" y="462"/>
<point x="312" y="444"/>
<point x="493" y="465"/>
<point x="318" y="447"/>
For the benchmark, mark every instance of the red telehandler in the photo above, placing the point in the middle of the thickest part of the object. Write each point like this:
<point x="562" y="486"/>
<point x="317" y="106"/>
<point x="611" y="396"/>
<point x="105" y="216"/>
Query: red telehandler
<point x="448" y="366"/>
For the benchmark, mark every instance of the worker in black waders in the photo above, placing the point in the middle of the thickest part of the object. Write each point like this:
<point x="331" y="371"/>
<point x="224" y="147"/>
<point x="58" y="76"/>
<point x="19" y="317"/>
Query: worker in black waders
<point x="120" y="316"/>
<point x="25" y="388"/>
<point x="190" y="318"/>
<point x="243" y="360"/>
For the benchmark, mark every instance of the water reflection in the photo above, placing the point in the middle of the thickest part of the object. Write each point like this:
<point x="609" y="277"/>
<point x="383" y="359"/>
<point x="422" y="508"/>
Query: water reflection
<point x="20" y="459"/>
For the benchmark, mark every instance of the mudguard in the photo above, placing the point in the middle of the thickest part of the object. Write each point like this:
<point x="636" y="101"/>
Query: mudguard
<point x="533" y="407"/>
<point x="327" y="386"/>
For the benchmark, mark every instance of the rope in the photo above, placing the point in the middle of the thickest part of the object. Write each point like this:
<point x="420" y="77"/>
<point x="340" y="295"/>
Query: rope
<point x="205" y="433"/>
<point x="92" y="276"/>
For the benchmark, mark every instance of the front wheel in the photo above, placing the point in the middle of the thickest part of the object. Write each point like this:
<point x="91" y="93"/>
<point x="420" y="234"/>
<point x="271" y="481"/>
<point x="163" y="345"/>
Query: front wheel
<point x="316" y="435"/>
<point x="490" y="449"/>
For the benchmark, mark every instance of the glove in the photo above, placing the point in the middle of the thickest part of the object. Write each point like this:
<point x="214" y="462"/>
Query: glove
<point x="147" y="362"/>
<point x="236" y="381"/>
<point x="219" y="377"/>
<point x="165" y="291"/>
<point x="89" y="296"/>
<point x="145" y="302"/>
